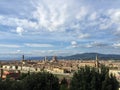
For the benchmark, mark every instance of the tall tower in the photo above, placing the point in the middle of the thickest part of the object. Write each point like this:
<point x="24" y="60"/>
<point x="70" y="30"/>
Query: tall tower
<point x="96" y="61"/>
<point x="23" y="61"/>
<point x="23" y="57"/>
<point x="45" y="58"/>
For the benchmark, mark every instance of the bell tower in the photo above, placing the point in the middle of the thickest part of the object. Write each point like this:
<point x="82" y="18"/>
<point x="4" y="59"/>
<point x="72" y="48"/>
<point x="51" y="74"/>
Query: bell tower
<point x="97" y="62"/>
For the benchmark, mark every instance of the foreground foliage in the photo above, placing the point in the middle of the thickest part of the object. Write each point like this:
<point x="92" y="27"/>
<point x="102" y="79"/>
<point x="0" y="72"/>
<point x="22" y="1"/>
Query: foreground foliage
<point x="85" y="78"/>
<point x="35" y="81"/>
<point x="93" y="79"/>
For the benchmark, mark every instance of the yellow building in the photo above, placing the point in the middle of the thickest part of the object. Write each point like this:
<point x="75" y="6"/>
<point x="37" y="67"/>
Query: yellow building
<point x="58" y="70"/>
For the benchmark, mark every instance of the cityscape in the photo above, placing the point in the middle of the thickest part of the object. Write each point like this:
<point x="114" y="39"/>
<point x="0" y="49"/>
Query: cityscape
<point x="60" y="67"/>
<point x="59" y="44"/>
<point x="57" y="66"/>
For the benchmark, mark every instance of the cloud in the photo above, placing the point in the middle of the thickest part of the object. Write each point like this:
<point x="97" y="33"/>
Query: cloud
<point x="18" y="51"/>
<point x="76" y="22"/>
<point x="13" y="21"/>
<point x="82" y="36"/>
<point x="93" y="16"/>
<point x="116" y="45"/>
<point x="82" y="13"/>
<point x="96" y="44"/>
<point x="54" y="52"/>
<point x="105" y="25"/>
<point x="74" y="44"/>
<point x="118" y="31"/>
<point x="19" y="30"/>
<point x="58" y="15"/>
<point x="49" y="16"/>
<point x="10" y="46"/>
<point x="114" y="15"/>
<point x="38" y="45"/>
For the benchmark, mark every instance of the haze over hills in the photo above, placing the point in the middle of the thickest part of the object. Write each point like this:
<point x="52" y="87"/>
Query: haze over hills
<point x="92" y="56"/>
<point x="84" y="56"/>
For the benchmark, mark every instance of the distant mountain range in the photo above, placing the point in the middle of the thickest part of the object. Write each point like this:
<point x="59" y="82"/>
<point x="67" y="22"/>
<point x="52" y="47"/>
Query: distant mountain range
<point x="84" y="56"/>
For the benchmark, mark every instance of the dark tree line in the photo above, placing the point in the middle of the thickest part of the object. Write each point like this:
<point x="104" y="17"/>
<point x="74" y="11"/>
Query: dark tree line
<point x="85" y="78"/>
<point x="93" y="79"/>
<point x="35" y="81"/>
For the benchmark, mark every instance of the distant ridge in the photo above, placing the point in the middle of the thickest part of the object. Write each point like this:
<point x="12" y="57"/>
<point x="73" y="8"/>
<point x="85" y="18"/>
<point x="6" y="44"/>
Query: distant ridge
<point x="91" y="56"/>
<point x="83" y="56"/>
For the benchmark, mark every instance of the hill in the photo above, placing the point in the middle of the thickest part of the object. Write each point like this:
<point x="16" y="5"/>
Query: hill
<point x="84" y="56"/>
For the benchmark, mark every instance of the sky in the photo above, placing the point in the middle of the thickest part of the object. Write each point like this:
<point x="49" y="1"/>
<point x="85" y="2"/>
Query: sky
<point x="59" y="27"/>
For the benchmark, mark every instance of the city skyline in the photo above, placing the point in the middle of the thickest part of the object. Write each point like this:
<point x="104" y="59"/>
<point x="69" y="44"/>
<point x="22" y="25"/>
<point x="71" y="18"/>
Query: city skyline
<point x="59" y="27"/>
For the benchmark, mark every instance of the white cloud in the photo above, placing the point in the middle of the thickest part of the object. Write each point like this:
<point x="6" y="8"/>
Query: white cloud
<point x="105" y="25"/>
<point x="58" y="15"/>
<point x="18" y="51"/>
<point x="116" y="45"/>
<point x="9" y="46"/>
<point x="51" y="16"/>
<point x="38" y="45"/>
<point x="93" y="16"/>
<point x="19" y="30"/>
<point x="55" y="52"/>
<point x="82" y="36"/>
<point x="117" y="31"/>
<point x="1" y="18"/>
<point x="74" y="44"/>
<point x="82" y="13"/>
<point x="61" y="21"/>
<point x="115" y="15"/>
<point x="11" y="21"/>
<point x="106" y="19"/>
<point x="96" y="44"/>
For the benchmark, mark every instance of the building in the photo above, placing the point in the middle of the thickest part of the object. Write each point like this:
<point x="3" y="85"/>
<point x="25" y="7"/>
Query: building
<point x="11" y="74"/>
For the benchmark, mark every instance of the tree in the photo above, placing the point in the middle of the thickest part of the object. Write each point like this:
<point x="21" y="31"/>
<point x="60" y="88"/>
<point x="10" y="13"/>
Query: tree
<point x="41" y="81"/>
<point x="90" y="78"/>
<point x="64" y="84"/>
<point x="35" y="81"/>
<point x="23" y="75"/>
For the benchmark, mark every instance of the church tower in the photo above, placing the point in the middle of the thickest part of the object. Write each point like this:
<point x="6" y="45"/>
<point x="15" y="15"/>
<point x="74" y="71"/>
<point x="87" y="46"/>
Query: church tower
<point x="23" y="57"/>
<point x="97" y="62"/>
<point x="22" y="61"/>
